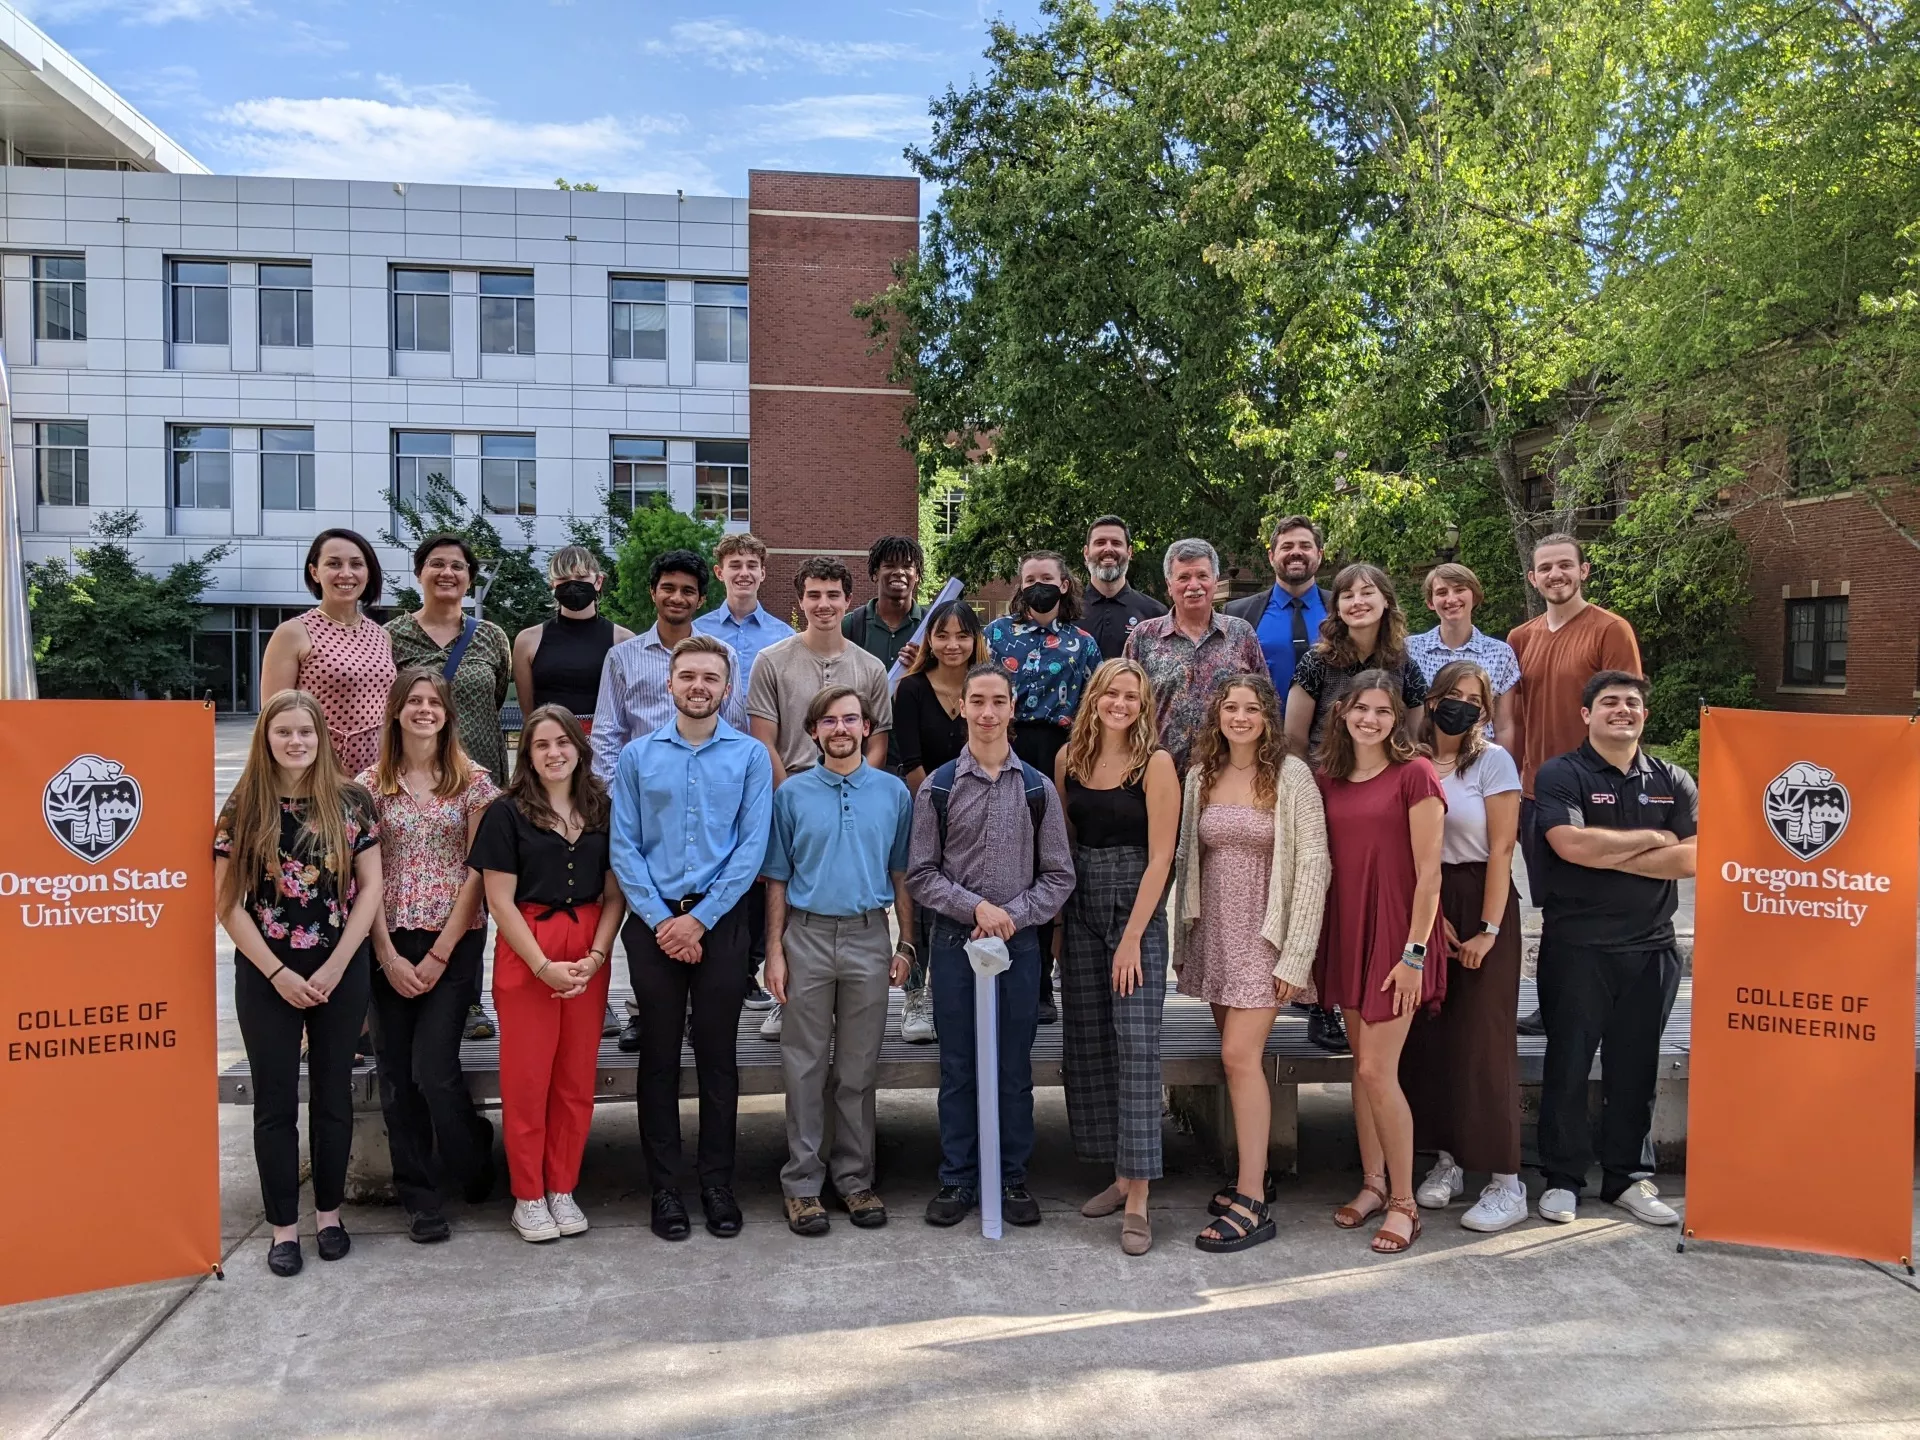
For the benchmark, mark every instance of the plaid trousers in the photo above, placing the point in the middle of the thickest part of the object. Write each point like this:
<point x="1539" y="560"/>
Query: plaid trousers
<point x="1110" y="1044"/>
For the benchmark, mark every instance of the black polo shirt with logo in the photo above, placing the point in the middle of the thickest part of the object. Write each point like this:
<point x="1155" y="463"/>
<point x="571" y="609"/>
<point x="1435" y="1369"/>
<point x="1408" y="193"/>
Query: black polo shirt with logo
<point x="1610" y="909"/>
<point x="1110" y="621"/>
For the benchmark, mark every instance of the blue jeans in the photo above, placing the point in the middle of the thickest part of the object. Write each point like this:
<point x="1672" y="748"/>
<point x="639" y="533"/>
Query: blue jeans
<point x="1019" y="990"/>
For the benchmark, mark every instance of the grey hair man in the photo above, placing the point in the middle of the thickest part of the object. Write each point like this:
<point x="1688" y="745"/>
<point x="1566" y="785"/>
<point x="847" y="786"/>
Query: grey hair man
<point x="1187" y="652"/>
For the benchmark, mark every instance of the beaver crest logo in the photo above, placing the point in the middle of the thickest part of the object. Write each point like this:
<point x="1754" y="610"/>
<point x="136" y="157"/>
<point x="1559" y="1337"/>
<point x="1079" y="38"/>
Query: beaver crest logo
<point x="1807" y="809"/>
<point x="92" y="806"/>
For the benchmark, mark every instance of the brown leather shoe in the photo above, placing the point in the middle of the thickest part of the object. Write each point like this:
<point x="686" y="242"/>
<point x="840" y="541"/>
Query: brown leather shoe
<point x="806" y="1215"/>
<point x="866" y="1209"/>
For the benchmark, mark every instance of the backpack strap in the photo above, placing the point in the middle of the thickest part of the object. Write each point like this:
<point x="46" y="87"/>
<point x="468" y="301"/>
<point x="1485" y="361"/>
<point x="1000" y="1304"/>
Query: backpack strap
<point x="939" y="788"/>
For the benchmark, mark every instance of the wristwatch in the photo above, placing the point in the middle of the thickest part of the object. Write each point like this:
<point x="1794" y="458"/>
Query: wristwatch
<point x="1487" y="927"/>
<point x="1416" y="950"/>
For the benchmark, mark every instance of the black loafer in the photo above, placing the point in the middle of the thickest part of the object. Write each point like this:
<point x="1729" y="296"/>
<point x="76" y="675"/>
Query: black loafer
<point x="670" y="1216"/>
<point x="1531" y="1024"/>
<point x="285" y="1259"/>
<point x="333" y="1243"/>
<point x="1018" y="1207"/>
<point x="723" y="1211"/>
<point x="951" y="1205"/>
<point x="629" y="1040"/>
<point x="428" y="1229"/>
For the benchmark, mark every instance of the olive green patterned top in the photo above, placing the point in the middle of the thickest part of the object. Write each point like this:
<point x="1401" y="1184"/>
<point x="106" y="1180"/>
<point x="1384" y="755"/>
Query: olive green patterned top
<point x="479" y="690"/>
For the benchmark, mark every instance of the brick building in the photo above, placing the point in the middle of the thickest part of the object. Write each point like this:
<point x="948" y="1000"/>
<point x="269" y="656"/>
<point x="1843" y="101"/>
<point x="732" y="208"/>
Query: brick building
<point x="246" y="360"/>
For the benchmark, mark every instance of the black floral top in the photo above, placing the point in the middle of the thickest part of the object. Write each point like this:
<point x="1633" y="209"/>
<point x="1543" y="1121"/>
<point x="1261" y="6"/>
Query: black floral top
<point x="301" y="908"/>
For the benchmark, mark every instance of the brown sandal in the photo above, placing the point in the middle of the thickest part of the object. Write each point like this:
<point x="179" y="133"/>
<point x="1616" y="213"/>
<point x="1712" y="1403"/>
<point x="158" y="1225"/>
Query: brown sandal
<point x="1386" y="1243"/>
<point x="1348" y="1218"/>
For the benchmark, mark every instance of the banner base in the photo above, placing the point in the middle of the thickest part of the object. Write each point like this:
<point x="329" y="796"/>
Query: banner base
<point x="1905" y="1262"/>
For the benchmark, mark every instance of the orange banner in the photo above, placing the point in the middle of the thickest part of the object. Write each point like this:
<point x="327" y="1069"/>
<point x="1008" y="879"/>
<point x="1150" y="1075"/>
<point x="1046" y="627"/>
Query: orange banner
<point x="1800" y="1102"/>
<point x="108" y="1117"/>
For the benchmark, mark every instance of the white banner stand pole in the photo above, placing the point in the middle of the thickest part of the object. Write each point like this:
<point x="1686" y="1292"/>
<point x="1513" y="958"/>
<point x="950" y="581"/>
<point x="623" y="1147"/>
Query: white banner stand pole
<point x="986" y="1049"/>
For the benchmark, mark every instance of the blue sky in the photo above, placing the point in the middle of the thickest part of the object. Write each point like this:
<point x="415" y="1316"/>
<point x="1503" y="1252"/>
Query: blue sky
<point x="647" y="96"/>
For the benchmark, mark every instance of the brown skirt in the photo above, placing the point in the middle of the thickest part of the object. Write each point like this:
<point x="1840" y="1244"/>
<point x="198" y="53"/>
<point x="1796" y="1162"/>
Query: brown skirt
<point x="1460" y="1068"/>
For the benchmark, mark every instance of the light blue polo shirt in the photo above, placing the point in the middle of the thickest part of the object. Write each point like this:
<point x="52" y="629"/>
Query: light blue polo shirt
<point x="837" y="839"/>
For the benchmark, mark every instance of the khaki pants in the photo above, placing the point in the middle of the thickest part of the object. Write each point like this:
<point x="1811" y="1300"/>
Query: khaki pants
<point x="836" y="1000"/>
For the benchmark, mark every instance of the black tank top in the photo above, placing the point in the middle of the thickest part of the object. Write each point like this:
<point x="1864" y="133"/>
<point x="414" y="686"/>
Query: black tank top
<point x="1108" y="819"/>
<point x="566" y="667"/>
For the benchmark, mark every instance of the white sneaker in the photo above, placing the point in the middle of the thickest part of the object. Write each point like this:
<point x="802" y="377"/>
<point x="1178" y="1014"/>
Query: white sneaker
<point x="916" y="1017"/>
<point x="568" y="1216"/>
<point x="1642" y="1201"/>
<point x="770" y="1027"/>
<point x="1496" y="1209"/>
<point x="534" y="1221"/>
<point x="1445" y="1183"/>
<point x="1559" y="1206"/>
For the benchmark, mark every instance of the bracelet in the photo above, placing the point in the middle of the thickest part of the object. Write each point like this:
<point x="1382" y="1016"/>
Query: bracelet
<point x="541" y="968"/>
<point x="905" y="947"/>
<point x="1411" y="963"/>
<point x="275" y="976"/>
<point x="601" y="953"/>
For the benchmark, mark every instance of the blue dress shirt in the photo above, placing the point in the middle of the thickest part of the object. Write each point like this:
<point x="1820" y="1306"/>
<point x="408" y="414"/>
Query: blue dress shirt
<point x="748" y="637"/>
<point x="1276" y="633"/>
<point x="838" y="840"/>
<point x="690" y="820"/>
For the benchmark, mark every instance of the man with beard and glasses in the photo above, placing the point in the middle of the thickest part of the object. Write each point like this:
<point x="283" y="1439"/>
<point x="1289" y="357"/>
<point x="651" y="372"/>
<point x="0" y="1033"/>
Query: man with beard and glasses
<point x="1113" y="607"/>
<point x="691" y="806"/>
<point x="1048" y="660"/>
<point x="884" y="626"/>
<point x="835" y="861"/>
<point x="1558" y="653"/>
<point x="1287" y="618"/>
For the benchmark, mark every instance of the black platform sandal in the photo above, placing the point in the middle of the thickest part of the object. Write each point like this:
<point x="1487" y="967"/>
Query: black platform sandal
<point x="1222" y="1200"/>
<point x="1245" y="1224"/>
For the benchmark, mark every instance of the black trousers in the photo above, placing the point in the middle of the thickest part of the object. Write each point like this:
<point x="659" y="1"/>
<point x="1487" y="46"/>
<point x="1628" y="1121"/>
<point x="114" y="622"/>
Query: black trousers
<point x="272" y="1030"/>
<point x="1616" y="1002"/>
<point x="1039" y="745"/>
<point x="423" y="1093"/>
<point x="663" y="988"/>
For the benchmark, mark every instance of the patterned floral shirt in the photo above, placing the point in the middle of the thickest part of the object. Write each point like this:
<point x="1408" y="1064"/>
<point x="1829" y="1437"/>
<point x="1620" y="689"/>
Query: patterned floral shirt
<point x="1183" y="674"/>
<point x="302" y="907"/>
<point x="479" y="687"/>
<point x="1049" y="664"/>
<point x="423" y="852"/>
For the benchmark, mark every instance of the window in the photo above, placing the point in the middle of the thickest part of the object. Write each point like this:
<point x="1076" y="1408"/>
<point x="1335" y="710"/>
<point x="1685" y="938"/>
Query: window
<point x="720" y="322"/>
<point x="1817" y="641"/>
<point x="720" y="479"/>
<point x="286" y="469"/>
<point x="60" y="460"/>
<point x="421" y="302"/>
<point x="949" y="505"/>
<point x="202" y="467"/>
<point x="420" y="462"/>
<point x="199" y="303"/>
<point x="639" y="473"/>
<point x="286" y="305"/>
<point x="507" y="474"/>
<point x="506" y="315"/>
<point x="59" y="298"/>
<point x="639" y="319"/>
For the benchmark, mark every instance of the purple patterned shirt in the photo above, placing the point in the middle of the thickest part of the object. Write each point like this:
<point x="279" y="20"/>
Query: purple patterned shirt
<point x="1183" y="674"/>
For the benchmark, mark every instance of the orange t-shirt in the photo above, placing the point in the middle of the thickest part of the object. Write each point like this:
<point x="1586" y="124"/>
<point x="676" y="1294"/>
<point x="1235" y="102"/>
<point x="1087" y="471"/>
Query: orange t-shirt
<point x="1555" y="666"/>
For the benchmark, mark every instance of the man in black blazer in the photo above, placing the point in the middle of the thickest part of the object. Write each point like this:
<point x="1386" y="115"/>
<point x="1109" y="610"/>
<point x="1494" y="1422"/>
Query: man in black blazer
<point x="1287" y="616"/>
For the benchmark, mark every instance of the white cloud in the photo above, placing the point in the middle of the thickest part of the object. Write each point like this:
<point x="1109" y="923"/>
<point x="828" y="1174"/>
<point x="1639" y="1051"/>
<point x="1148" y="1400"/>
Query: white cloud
<point x="744" y="50"/>
<point x="135" y="12"/>
<point x="842" y="117"/>
<point x="447" y="134"/>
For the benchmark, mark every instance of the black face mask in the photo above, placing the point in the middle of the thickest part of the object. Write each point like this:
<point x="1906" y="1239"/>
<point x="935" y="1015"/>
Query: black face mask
<point x="1041" y="597"/>
<point x="575" y="594"/>
<point x="1455" y="717"/>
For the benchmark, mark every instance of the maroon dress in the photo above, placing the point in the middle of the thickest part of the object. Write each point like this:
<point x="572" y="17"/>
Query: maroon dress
<point x="1371" y="901"/>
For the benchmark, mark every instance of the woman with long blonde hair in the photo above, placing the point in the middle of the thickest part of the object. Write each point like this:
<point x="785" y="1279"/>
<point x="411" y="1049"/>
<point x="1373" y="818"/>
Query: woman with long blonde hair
<point x="430" y="944"/>
<point x="1250" y="885"/>
<point x="1122" y="803"/>
<point x="296" y="877"/>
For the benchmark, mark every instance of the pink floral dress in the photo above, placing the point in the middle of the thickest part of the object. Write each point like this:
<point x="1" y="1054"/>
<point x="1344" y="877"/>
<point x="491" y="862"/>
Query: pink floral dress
<point x="423" y="852"/>
<point x="300" y="908"/>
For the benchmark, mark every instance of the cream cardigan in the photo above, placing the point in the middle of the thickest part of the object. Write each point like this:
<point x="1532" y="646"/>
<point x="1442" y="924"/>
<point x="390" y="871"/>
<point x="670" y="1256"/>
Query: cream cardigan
<point x="1297" y="887"/>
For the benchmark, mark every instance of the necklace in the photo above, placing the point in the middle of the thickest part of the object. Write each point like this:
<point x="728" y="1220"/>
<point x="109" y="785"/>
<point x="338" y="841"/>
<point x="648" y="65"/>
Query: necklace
<point x="1248" y="766"/>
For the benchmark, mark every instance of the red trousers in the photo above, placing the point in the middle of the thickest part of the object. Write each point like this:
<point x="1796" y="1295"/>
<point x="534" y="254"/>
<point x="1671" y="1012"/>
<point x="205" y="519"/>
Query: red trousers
<point x="549" y="1054"/>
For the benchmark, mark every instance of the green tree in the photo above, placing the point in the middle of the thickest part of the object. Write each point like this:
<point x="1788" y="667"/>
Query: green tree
<point x="650" y="531"/>
<point x="517" y="595"/>
<point x="562" y="183"/>
<point x="104" y="629"/>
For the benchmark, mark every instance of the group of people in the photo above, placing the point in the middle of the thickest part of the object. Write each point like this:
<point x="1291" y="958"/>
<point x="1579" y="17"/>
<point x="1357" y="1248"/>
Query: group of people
<point x="1288" y="801"/>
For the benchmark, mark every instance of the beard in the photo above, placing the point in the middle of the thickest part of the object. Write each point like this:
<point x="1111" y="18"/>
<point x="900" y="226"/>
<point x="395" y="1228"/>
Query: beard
<point x="1108" y="572"/>
<point x="695" y="707"/>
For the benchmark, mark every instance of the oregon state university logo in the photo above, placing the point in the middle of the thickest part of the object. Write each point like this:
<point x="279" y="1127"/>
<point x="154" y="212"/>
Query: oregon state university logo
<point x="92" y="806"/>
<point x="1807" y="809"/>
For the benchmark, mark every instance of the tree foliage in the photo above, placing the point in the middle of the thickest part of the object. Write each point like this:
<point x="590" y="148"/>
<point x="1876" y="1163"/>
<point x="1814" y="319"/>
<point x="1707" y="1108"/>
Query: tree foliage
<point x="104" y="629"/>
<point x="651" y="531"/>
<point x="517" y="594"/>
